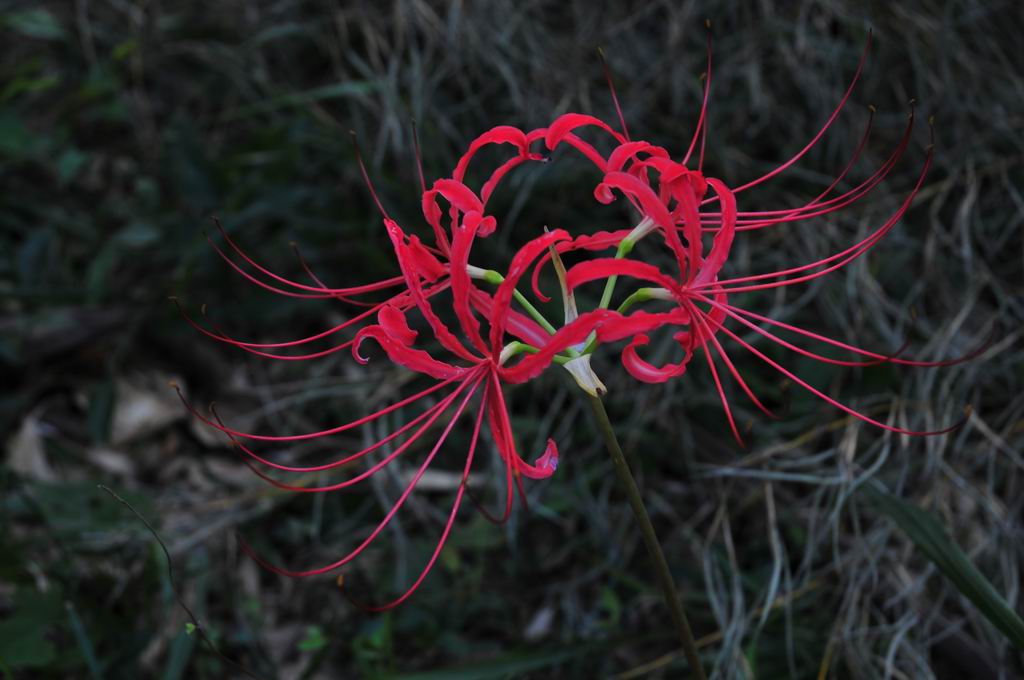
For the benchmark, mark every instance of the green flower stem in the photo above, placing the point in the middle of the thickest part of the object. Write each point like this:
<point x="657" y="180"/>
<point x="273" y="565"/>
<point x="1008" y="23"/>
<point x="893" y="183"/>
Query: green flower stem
<point x="626" y="246"/>
<point x="495" y="278"/>
<point x="640" y="295"/>
<point x="515" y="347"/>
<point x="533" y="311"/>
<point x="661" y="569"/>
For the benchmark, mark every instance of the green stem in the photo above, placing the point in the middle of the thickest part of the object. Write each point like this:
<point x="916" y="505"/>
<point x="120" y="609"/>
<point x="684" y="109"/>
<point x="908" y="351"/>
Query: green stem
<point x="625" y="248"/>
<point x="668" y="586"/>
<point x="515" y="347"/>
<point x="533" y="311"/>
<point x="495" y="278"/>
<point x="639" y="295"/>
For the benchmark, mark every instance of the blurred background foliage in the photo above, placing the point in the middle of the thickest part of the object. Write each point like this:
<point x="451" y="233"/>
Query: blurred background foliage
<point x="125" y="125"/>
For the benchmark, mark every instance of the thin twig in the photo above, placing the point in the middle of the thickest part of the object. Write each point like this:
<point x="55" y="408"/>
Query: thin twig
<point x="174" y="587"/>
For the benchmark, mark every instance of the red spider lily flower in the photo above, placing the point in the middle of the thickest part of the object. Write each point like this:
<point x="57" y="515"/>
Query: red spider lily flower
<point x="430" y="262"/>
<point x="673" y="204"/>
<point x="494" y="345"/>
<point x="482" y="364"/>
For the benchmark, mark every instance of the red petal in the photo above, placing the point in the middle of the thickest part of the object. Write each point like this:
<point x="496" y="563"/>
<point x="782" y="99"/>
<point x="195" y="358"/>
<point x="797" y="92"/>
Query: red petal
<point x="462" y="242"/>
<point x="628" y="151"/>
<point x="520" y="263"/>
<point x="393" y="321"/>
<point x="414" y="359"/>
<point x="566" y="123"/>
<point x="518" y="325"/>
<point x="501" y="430"/>
<point x="412" y="279"/>
<point x="620" y="327"/>
<point x="602" y="268"/>
<point x="652" y="207"/>
<point x="427" y="266"/>
<point x="723" y="239"/>
<point x="502" y="134"/>
<point x="574" y="333"/>
<point x="645" y="372"/>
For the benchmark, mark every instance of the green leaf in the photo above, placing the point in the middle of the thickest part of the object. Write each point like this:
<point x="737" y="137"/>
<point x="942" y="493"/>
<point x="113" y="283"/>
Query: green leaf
<point x="69" y="163"/>
<point x="314" y="639"/>
<point x="511" y="665"/>
<point x="189" y="628"/>
<point x="924" y="529"/>
<point x="124" y="49"/>
<point x="101" y="409"/>
<point x="25" y="635"/>
<point x="352" y="88"/>
<point x="16" y="141"/>
<point x="85" y="645"/>
<point x="35" y="23"/>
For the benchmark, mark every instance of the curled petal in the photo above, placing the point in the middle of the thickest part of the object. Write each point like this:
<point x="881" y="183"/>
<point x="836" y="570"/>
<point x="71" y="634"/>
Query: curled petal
<point x="502" y="134"/>
<point x="520" y="264"/>
<point x="392" y="320"/>
<point x="600" y="240"/>
<point x="492" y="182"/>
<point x="462" y="242"/>
<point x="424" y="262"/>
<point x="420" y="298"/>
<point x="626" y="152"/>
<point x="532" y="365"/>
<point x="458" y="194"/>
<point x="646" y="372"/>
<point x="617" y="328"/>
<point x="518" y="325"/>
<point x="723" y="239"/>
<point x="545" y="465"/>
<point x="566" y="123"/>
<point x="604" y="267"/>
<point x="414" y="359"/>
<point x="461" y="198"/>
<point x="652" y="207"/>
<point x="501" y="429"/>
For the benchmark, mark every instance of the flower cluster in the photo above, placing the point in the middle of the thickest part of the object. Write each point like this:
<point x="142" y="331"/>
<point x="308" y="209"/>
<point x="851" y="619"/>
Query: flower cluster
<point x="485" y="333"/>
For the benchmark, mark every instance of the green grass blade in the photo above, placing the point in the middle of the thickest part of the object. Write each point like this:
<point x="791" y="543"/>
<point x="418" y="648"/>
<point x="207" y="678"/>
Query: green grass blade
<point x="509" y="665"/>
<point x="928" y="534"/>
<point x="352" y="88"/>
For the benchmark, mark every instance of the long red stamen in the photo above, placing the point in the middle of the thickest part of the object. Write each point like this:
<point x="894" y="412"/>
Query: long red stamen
<point x="705" y="331"/>
<point x="697" y="131"/>
<point x="878" y="358"/>
<point x="366" y="175"/>
<point x="814" y="140"/>
<point x="611" y="89"/>
<point x="320" y="291"/>
<point x="750" y="220"/>
<point x="442" y="405"/>
<point x="840" y="259"/>
<point x="444" y="534"/>
<point x="389" y="457"/>
<point x="419" y="158"/>
<point x="321" y="433"/>
<point x="718" y="387"/>
<point x="837" y="404"/>
<point x="387" y="518"/>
